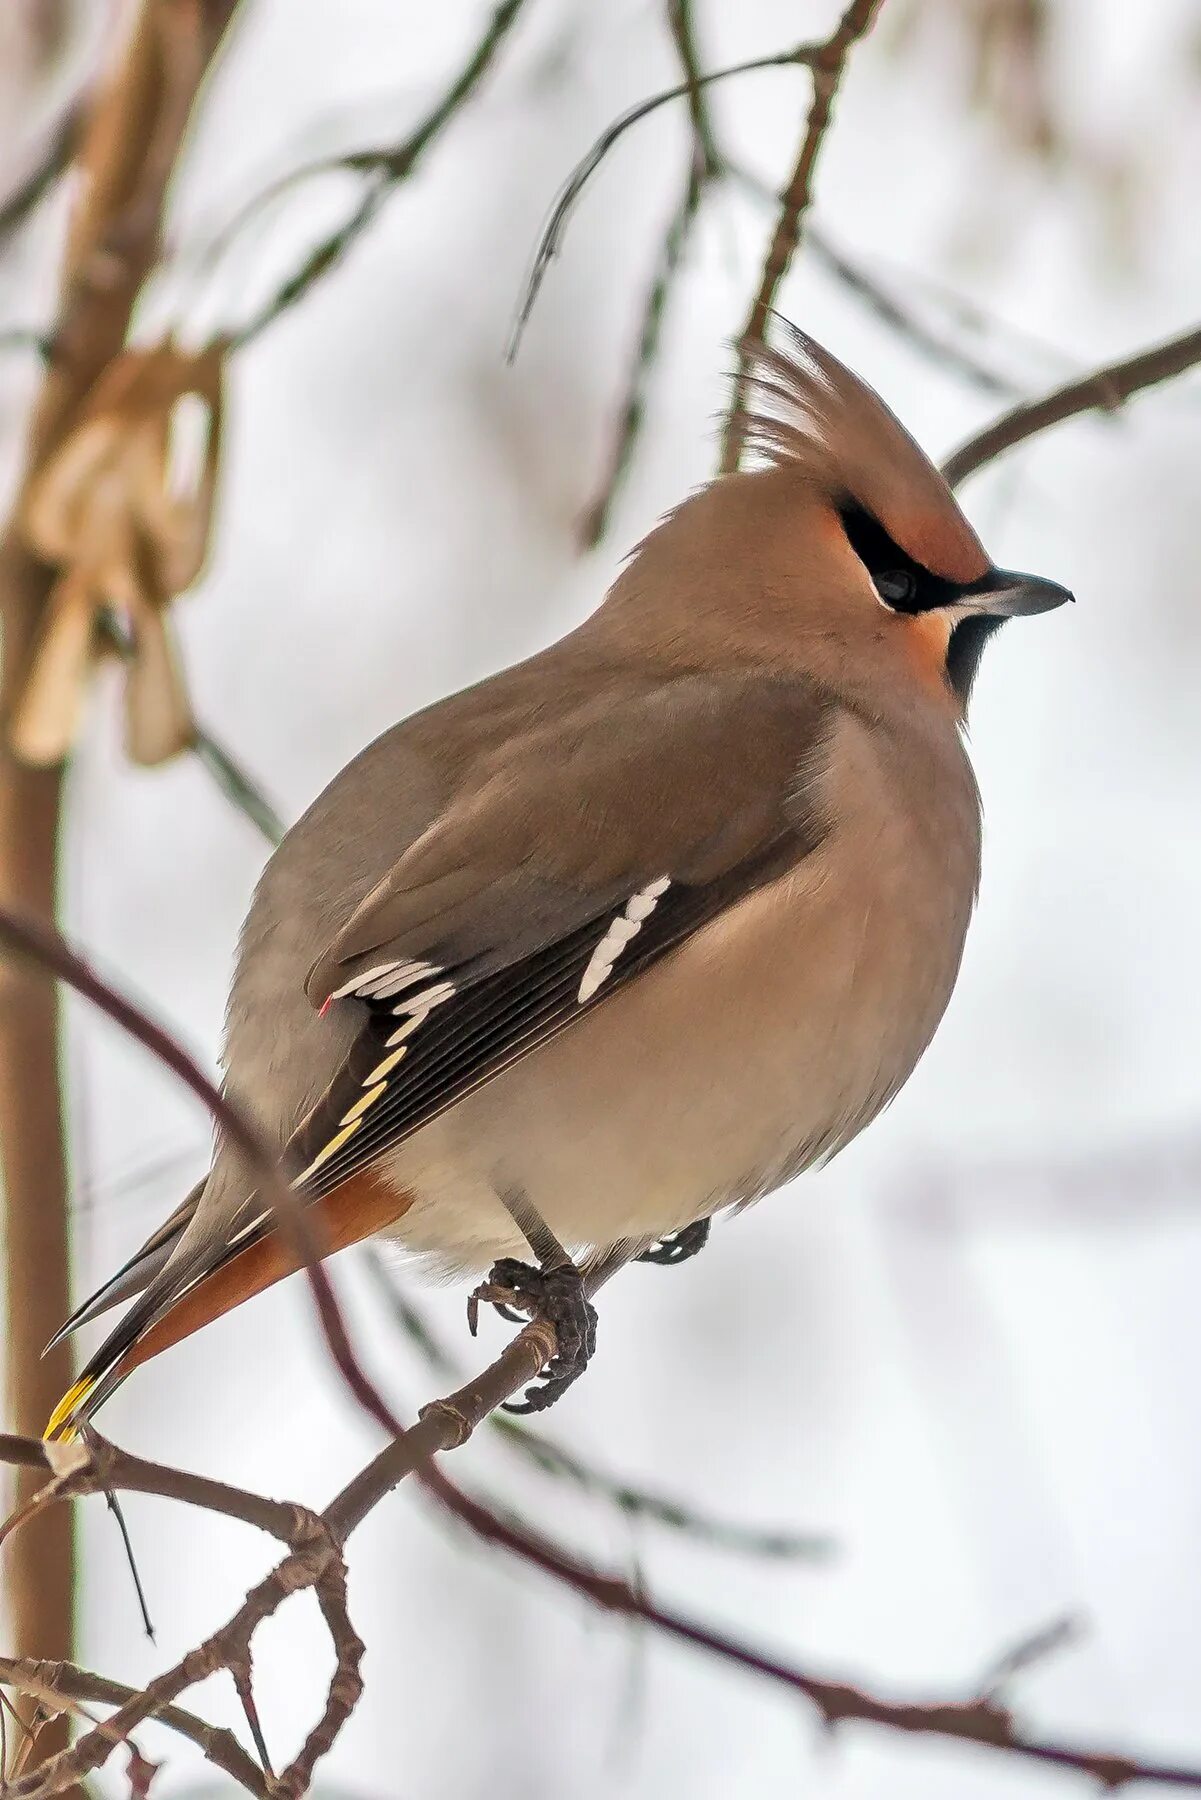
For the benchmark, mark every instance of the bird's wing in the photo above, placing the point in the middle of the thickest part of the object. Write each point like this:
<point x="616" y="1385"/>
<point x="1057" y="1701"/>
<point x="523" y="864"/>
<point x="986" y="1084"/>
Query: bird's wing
<point x="563" y="873"/>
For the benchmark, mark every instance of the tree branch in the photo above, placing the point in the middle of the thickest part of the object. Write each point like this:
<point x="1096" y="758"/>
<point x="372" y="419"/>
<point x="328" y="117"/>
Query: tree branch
<point x="887" y="305"/>
<point x="828" y="67"/>
<point x="1105" y="390"/>
<point x="704" y="167"/>
<point x="315" y="1555"/>
<point x="570" y="194"/>
<point x="53" y="1682"/>
<point x="549" y="1455"/>
<point x="385" y="168"/>
<point x="981" y="1720"/>
<point x="314" y="1561"/>
<point x="706" y="155"/>
<point x="49" y="168"/>
<point x="126" y="148"/>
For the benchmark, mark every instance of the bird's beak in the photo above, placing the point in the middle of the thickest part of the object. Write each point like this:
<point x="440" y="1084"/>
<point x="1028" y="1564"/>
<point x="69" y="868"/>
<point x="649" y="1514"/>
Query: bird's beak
<point x="1006" y="594"/>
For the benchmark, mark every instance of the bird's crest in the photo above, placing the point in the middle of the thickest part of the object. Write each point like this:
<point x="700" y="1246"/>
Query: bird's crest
<point x="808" y="409"/>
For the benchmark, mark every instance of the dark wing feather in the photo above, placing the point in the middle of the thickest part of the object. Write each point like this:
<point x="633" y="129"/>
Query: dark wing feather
<point x="495" y="1022"/>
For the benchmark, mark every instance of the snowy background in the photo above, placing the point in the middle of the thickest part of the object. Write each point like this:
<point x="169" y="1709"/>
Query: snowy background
<point x="967" y="1351"/>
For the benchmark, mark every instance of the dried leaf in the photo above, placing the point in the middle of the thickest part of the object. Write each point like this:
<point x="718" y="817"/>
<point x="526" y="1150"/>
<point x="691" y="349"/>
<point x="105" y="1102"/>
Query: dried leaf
<point x="124" y="508"/>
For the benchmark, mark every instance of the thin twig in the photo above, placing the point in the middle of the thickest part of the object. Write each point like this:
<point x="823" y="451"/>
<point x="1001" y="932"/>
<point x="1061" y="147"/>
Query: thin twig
<point x="53" y="1682"/>
<point x="411" y="1320"/>
<point x="118" y="1512"/>
<point x="217" y="761"/>
<point x="385" y="168"/>
<point x="887" y="305"/>
<point x="710" y="163"/>
<point x="125" y="151"/>
<point x="536" y="1446"/>
<point x="244" y="1683"/>
<point x="1105" y="390"/>
<point x="902" y="319"/>
<point x="1034" y="1648"/>
<point x="551" y="240"/>
<point x="828" y="66"/>
<point x="51" y="165"/>
<point x="320" y="261"/>
<point x="232" y="781"/>
<point x="704" y="167"/>
<point x="315" y="1562"/>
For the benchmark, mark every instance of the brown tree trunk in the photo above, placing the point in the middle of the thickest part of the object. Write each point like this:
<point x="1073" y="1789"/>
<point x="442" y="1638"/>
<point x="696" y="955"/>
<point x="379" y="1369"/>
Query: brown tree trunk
<point x="128" y="147"/>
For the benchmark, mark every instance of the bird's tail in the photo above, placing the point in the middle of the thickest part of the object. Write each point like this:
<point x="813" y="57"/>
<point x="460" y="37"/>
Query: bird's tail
<point x="231" y="1274"/>
<point x="132" y="1278"/>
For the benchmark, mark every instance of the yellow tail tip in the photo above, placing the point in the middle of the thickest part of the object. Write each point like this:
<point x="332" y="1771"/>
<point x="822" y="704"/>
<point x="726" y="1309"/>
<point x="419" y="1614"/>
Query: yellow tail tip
<point x="59" y="1426"/>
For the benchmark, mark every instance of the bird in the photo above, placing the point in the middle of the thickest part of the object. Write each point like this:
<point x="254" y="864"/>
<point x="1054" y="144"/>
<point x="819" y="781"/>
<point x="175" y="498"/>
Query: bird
<point x="627" y="935"/>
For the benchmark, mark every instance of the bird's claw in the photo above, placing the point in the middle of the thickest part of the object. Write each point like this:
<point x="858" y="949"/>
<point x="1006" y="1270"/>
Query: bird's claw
<point x="678" y="1246"/>
<point x="519" y="1292"/>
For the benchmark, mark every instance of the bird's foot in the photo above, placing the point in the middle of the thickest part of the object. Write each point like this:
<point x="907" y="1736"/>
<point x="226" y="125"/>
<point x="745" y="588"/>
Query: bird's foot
<point x="519" y="1292"/>
<point x="678" y="1246"/>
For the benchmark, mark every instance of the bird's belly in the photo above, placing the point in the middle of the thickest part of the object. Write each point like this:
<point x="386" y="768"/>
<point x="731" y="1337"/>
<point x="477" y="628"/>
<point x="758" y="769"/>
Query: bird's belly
<point x="764" y="1042"/>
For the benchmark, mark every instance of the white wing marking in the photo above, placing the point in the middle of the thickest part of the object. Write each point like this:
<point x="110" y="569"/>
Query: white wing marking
<point x="622" y="931"/>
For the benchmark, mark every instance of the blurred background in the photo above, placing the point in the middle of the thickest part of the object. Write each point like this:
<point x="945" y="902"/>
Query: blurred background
<point x="964" y="1354"/>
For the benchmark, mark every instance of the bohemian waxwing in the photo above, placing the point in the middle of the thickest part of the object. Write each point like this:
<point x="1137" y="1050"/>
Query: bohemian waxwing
<point x="631" y="933"/>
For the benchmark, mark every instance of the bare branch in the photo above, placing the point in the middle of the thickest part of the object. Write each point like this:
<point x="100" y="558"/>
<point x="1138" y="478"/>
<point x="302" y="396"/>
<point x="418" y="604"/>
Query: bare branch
<point x="217" y="761"/>
<point x="981" y="1720"/>
<point x="125" y="152"/>
<point x="233" y="782"/>
<point x="51" y="165"/>
<point x="708" y="159"/>
<point x="551" y="241"/>
<point x="828" y="66"/>
<point x="1105" y="390"/>
<point x="385" y="168"/>
<point x="53" y="1682"/>
<point x="704" y="166"/>
<point x="550" y="1456"/>
<point x="314" y="1561"/>
<point x="442" y="1425"/>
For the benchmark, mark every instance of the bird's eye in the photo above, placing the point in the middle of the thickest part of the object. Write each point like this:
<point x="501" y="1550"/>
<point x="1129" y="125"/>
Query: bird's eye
<point x="895" y="586"/>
